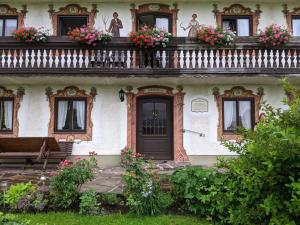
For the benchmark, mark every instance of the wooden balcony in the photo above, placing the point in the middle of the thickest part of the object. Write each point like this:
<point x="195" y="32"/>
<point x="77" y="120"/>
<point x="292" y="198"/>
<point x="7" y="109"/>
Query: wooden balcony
<point x="118" y="58"/>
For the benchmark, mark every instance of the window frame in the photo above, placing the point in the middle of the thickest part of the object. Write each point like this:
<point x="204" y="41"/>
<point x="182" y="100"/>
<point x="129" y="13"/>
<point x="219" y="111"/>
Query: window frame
<point x="59" y="33"/>
<point x="12" y="99"/>
<point x="233" y="17"/>
<point x="69" y="131"/>
<point x="155" y="15"/>
<point x="252" y="105"/>
<point x="4" y="18"/>
<point x="292" y="21"/>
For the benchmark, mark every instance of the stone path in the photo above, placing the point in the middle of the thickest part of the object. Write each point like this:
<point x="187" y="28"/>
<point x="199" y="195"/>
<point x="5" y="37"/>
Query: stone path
<point x="107" y="180"/>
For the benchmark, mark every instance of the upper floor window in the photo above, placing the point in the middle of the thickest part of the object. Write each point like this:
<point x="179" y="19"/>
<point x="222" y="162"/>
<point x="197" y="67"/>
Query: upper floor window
<point x="8" y="25"/>
<point x="237" y="113"/>
<point x="161" y="21"/>
<point x="241" y="25"/>
<point x="296" y="25"/>
<point x="6" y="114"/>
<point x="66" y="23"/>
<point x="70" y="114"/>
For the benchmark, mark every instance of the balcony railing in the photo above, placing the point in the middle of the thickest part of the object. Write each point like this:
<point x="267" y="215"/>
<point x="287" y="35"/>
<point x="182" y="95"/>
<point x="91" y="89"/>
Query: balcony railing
<point x="120" y="58"/>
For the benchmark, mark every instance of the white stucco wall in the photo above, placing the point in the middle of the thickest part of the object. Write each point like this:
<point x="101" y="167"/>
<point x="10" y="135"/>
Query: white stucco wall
<point x="271" y="13"/>
<point x="109" y="118"/>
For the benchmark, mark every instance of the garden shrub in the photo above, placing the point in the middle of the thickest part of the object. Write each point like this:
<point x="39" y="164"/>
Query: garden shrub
<point x="18" y="191"/>
<point x="110" y="199"/>
<point x="191" y="188"/>
<point x="262" y="186"/>
<point x="65" y="183"/>
<point x="89" y="203"/>
<point x="142" y="189"/>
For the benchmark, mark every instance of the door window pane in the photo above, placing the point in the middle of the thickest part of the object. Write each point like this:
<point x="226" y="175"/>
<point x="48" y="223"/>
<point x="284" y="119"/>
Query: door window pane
<point x="162" y="23"/>
<point x="230" y="121"/>
<point x="245" y="114"/>
<point x="239" y="25"/>
<point x="243" y="28"/>
<point x="296" y="27"/>
<point x="1" y="27"/>
<point x="67" y="23"/>
<point x="6" y="115"/>
<point x="10" y="26"/>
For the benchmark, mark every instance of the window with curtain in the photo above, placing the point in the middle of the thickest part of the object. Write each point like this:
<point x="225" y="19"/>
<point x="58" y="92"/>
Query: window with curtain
<point x="240" y="25"/>
<point x="296" y="26"/>
<point x="237" y="113"/>
<point x="6" y="114"/>
<point x="8" y="25"/>
<point x="70" y="115"/>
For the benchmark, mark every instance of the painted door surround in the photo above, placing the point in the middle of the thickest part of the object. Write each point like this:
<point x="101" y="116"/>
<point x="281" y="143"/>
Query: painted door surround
<point x="178" y="97"/>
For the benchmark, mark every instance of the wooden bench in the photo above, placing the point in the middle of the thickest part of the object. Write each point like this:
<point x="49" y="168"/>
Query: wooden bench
<point x="34" y="149"/>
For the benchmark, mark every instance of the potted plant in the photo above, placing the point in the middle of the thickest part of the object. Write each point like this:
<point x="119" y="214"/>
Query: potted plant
<point x="148" y="37"/>
<point x="88" y="35"/>
<point x="274" y="35"/>
<point x="31" y="34"/>
<point x="215" y="37"/>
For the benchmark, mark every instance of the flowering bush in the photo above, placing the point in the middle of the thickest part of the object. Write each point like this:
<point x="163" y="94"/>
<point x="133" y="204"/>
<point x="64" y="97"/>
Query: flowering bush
<point x="148" y="37"/>
<point x="66" y="181"/>
<point x="87" y="35"/>
<point x="142" y="190"/>
<point x="274" y="35"/>
<point x="31" y="34"/>
<point x="214" y="37"/>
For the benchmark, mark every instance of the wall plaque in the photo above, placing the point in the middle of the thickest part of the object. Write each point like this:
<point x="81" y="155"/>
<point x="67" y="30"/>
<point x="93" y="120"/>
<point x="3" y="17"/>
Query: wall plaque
<point x="199" y="105"/>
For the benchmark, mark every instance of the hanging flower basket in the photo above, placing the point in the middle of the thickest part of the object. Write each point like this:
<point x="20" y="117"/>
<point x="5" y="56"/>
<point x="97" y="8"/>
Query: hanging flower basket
<point x="273" y="36"/>
<point x="31" y="34"/>
<point x="215" y="37"/>
<point x="148" y="37"/>
<point x="88" y="35"/>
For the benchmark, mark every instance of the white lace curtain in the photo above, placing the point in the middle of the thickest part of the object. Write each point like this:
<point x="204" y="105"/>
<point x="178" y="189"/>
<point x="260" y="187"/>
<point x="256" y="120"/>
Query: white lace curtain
<point x="245" y="114"/>
<point x="296" y="27"/>
<point x="6" y="115"/>
<point x="243" y="27"/>
<point x="230" y="115"/>
<point x="80" y="113"/>
<point x="62" y="114"/>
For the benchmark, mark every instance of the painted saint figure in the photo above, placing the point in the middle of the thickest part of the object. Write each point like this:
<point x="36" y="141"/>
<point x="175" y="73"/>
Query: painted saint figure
<point x="115" y="25"/>
<point x="193" y="26"/>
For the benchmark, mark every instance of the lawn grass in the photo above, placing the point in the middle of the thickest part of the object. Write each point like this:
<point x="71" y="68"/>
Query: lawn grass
<point x="112" y="219"/>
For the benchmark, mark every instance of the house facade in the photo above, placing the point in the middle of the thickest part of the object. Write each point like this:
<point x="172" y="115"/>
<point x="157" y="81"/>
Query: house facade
<point x="175" y="103"/>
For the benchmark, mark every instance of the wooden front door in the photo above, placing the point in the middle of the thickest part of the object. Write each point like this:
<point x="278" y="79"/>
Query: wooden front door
<point x="155" y="127"/>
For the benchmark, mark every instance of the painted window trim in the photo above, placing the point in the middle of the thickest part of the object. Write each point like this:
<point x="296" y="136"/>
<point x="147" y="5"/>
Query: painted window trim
<point x="71" y="92"/>
<point x="71" y="10"/>
<point x="289" y="16"/>
<point x="7" y="11"/>
<point x="9" y="94"/>
<point x="147" y="9"/>
<point x="235" y="92"/>
<point x="238" y="10"/>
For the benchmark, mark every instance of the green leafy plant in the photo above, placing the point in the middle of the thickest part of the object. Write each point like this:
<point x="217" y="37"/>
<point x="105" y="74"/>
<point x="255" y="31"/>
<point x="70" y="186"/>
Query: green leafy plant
<point x="88" y="203"/>
<point x="262" y="186"/>
<point x="18" y="191"/>
<point x="65" y="183"/>
<point x="142" y="189"/>
<point x="110" y="199"/>
<point x="191" y="188"/>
